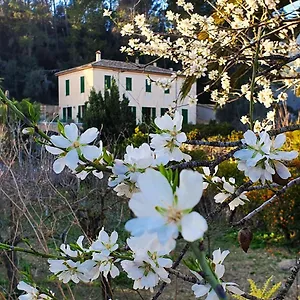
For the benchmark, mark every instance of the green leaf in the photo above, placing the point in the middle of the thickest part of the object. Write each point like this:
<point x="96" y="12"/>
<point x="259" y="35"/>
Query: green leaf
<point x="61" y="128"/>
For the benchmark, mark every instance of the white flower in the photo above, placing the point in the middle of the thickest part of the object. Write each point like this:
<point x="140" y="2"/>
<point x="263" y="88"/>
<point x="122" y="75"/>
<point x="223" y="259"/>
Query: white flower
<point x="261" y="158"/>
<point x="105" y="244"/>
<point x="136" y="161"/>
<point x="149" y="243"/>
<point x="148" y="266"/>
<point x="168" y="142"/>
<point x="70" y="146"/>
<point x="193" y="101"/>
<point x="31" y="292"/>
<point x="103" y="264"/>
<point x="219" y="269"/>
<point x="67" y="251"/>
<point x="107" y="13"/>
<point x="67" y="270"/>
<point x="229" y="190"/>
<point x="210" y="178"/>
<point x="245" y="120"/>
<point x="159" y="209"/>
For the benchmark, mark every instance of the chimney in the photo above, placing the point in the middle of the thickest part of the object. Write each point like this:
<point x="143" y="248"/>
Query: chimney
<point x="155" y="64"/>
<point x="137" y="61"/>
<point x="98" y="55"/>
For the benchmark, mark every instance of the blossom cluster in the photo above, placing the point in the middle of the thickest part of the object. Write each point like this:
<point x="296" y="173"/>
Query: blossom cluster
<point x="262" y="158"/>
<point x="86" y="264"/>
<point x="234" y="29"/>
<point x="164" y="147"/>
<point x="226" y="188"/>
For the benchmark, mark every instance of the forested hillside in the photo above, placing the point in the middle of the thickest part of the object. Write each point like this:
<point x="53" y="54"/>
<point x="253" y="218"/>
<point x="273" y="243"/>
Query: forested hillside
<point x="40" y="37"/>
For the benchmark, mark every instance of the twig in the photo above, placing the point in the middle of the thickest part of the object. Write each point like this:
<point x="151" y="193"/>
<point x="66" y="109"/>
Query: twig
<point x="213" y="144"/>
<point x="204" y="163"/>
<point x="183" y="276"/>
<point x="284" y="290"/>
<point x="272" y="199"/>
<point x="174" y="266"/>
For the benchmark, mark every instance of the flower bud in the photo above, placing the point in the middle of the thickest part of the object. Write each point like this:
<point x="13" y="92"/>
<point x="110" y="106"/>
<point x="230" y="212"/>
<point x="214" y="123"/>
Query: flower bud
<point x="28" y="130"/>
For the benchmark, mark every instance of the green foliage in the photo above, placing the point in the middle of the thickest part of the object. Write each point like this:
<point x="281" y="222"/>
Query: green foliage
<point x="138" y="138"/>
<point x="203" y="131"/>
<point x="111" y="116"/>
<point x="30" y="109"/>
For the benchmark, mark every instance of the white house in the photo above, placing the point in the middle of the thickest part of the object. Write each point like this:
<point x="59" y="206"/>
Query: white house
<point x="145" y="97"/>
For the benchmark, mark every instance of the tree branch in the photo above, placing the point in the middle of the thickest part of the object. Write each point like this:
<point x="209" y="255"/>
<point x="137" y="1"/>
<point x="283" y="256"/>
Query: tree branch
<point x="284" y="290"/>
<point x="272" y="199"/>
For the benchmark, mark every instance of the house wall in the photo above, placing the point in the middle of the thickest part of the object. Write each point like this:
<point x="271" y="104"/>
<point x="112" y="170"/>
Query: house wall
<point x="138" y="97"/>
<point x="75" y="98"/>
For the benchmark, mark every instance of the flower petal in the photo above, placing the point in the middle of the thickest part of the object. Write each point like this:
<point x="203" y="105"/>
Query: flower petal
<point x="59" y="165"/>
<point x="250" y="138"/>
<point x="282" y="170"/>
<point x="90" y="152"/>
<point x="155" y="188"/>
<point x="71" y="132"/>
<point x="72" y="159"/>
<point x="88" y="136"/>
<point x="279" y="141"/>
<point x="54" y="150"/>
<point x="60" y="141"/>
<point x="193" y="226"/>
<point x="190" y="190"/>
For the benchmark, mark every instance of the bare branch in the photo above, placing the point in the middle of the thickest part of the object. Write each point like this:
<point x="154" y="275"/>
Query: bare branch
<point x="272" y="199"/>
<point x="284" y="290"/>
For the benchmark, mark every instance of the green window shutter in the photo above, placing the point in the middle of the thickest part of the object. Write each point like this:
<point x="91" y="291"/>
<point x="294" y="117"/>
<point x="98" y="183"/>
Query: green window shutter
<point x="148" y="86"/>
<point x="67" y="87"/>
<point x="185" y="116"/>
<point x="128" y="84"/>
<point x="153" y="113"/>
<point x="163" y="111"/>
<point x="69" y="113"/>
<point x="167" y="91"/>
<point x="64" y="114"/>
<point x="82" y="84"/>
<point x="107" y="81"/>
<point x="79" y="113"/>
<point x="146" y="114"/>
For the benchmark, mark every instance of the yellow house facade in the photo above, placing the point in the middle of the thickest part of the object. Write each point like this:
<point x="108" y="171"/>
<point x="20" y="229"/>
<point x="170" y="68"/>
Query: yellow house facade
<point x="136" y="81"/>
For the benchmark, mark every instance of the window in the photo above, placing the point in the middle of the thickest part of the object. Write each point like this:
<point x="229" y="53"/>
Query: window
<point x="82" y="84"/>
<point x="148" y="114"/>
<point x="81" y="111"/>
<point x="133" y="110"/>
<point x="163" y="110"/>
<point x="185" y="116"/>
<point x="148" y="86"/>
<point x="167" y="91"/>
<point x="107" y="81"/>
<point x="67" y="114"/>
<point x="67" y="87"/>
<point x="128" y="84"/>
